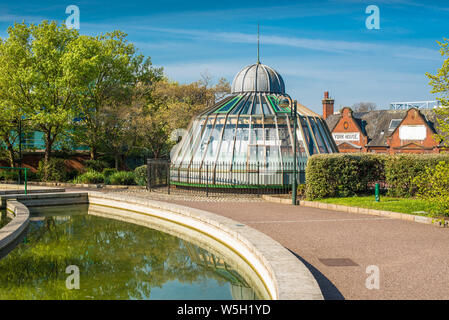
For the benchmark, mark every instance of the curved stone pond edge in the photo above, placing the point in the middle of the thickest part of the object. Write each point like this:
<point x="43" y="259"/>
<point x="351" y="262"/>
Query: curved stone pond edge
<point x="284" y="276"/>
<point x="11" y="233"/>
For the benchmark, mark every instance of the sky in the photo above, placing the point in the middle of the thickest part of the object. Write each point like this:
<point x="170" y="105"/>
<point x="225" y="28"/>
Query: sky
<point x="316" y="46"/>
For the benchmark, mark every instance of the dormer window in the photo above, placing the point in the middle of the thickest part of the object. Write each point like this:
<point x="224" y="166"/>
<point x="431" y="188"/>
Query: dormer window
<point x="394" y="124"/>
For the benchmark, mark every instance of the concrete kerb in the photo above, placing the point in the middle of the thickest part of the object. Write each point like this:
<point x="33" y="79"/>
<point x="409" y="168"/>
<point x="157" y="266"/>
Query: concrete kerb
<point x="14" y="229"/>
<point x="284" y="275"/>
<point x="341" y="208"/>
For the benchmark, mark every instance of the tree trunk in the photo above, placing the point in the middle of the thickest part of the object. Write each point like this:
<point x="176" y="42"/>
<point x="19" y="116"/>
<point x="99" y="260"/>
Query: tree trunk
<point x="11" y="156"/>
<point x="93" y="153"/>
<point x="116" y="159"/>
<point x="48" y="146"/>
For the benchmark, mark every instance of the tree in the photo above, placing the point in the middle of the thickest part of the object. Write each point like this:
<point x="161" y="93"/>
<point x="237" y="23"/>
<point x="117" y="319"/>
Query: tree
<point x="364" y="107"/>
<point x="107" y="69"/>
<point x="33" y="78"/>
<point x="171" y="107"/>
<point x="440" y="85"/>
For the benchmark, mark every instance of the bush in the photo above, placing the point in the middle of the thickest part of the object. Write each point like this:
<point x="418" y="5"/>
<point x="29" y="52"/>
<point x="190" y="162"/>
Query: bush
<point x="122" y="178"/>
<point x="401" y="169"/>
<point x="342" y="175"/>
<point x="90" y="177"/>
<point x="141" y="175"/>
<point x="433" y="185"/>
<point x="55" y="168"/>
<point x="107" y="173"/>
<point x="96" y="165"/>
<point x="9" y="175"/>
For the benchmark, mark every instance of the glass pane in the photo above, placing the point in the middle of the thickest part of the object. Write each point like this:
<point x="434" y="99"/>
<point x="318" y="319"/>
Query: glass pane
<point x="227" y="142"/>
<point x="308" y="136"/>
<point x="265" y="108"/>
<point x="248" y="106"/>
<point x="242" y="140"/>
<point x="317" y="135"/>
<point x="203" y="141"/>
<point x="193" y="141"/>
<point x="285" y="139"/>
<point x="228" y="106"/>
<point x="238" y="107"/>
<point x="214" y="140"/>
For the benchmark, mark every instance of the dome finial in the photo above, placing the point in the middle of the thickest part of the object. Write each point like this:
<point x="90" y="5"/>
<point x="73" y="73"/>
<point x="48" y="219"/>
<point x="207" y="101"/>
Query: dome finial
<point x="258" y="45"/>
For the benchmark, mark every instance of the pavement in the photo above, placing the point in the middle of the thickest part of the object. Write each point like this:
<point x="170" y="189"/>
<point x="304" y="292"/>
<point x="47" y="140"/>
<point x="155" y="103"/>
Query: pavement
<point x="341" y="248"/>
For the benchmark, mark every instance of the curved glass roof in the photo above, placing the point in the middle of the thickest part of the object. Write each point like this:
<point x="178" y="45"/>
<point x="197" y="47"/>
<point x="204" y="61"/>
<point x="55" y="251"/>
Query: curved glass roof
<point x="252" y="128"/>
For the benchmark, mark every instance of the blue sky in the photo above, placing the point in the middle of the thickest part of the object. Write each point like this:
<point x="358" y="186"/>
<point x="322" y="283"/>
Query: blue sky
<point x="315" y="45"/>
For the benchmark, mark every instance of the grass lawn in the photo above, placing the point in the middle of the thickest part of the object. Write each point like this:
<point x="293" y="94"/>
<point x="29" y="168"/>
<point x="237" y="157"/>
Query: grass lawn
<point x="411" y="206"/>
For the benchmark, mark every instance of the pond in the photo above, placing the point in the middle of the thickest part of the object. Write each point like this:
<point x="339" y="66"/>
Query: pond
<point x="117" y="260"/>
<point x="4" y="219"/>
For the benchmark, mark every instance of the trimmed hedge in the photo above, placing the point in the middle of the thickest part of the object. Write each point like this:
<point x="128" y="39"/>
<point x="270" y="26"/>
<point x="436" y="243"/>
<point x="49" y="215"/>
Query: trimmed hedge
<point x="401" y="170"/>
<point x="343" y="175"/>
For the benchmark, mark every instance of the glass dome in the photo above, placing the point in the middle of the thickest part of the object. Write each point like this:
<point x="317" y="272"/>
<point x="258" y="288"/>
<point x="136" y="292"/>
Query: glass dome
<point x="248" y="131"/>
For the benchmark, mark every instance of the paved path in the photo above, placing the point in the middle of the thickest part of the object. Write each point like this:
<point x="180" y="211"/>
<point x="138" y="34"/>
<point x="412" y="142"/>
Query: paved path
<point x="413" y="258"/>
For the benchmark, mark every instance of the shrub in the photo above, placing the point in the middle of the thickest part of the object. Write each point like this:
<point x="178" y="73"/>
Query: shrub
<point x="141" y="175"/>
<point x="342" y="175"/>
<point x="96" y="165"/>
<point x="122" y="178"/>
<point x="433" y="185"/>
<point x="401" y="169"/>
<point x="107" y="173"/>
<point x="90" y="177"/>
<point x="55" y="168"/>
<point x="9" y="175"/>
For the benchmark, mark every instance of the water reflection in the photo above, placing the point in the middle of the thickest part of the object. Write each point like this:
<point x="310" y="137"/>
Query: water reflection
<point x="117" y="260"/>
<point x="4" y="219"/>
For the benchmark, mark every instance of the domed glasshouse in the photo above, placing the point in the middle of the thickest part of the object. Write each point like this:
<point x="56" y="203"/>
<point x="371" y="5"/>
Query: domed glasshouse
<point x="246" y="139"/>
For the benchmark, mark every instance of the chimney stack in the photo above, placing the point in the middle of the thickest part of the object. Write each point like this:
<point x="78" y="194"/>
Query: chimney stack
<point x="328" y="105"/>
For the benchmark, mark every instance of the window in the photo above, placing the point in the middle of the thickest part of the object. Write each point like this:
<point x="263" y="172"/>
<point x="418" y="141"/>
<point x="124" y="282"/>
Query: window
<point x="394" y="124"/>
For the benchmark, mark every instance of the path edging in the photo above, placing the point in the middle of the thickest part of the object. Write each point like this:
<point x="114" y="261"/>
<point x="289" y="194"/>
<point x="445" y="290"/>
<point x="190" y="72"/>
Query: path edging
<point x="342" y="208"/>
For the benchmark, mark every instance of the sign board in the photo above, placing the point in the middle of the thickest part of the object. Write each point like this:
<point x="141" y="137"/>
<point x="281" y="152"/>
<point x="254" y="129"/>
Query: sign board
<point x="346" y="136"/>
<point x="417" y="132"/>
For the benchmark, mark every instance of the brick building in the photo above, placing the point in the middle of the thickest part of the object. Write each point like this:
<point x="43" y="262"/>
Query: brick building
<point x="382" y="131"/>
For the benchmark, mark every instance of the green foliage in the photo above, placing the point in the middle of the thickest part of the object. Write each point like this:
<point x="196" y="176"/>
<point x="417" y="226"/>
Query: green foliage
<point x="141" y="175"/>
<point x="342" y="175"/>
<point x="9" y="175"/>
<point x="96" y="165"/>
<point x="90" y="177"/>
<point x="107" y="173"/>
<point x="440" y="86"/>
<point x="34" y="78"/>
<point x="122" y="178"/>
<point x="53" y="170"/>
<point x="433" y="186"/>
<point x="401" y="169"/>
<point x="301" y="191"/>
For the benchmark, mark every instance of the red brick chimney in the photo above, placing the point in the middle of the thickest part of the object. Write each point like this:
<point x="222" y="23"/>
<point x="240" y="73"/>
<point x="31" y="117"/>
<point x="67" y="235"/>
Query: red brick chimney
<point x="328" y="105"/>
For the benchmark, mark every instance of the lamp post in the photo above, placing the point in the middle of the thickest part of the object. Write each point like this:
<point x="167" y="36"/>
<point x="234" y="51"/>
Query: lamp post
<point x="287" y="102"/>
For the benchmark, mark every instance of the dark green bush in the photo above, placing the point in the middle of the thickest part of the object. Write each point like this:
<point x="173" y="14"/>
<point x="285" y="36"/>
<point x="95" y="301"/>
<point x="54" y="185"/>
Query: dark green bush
<point x="141" y="175"/>
<point x="122" y="178"/>
<point x="9" y="175"/>
<point x="55" y="168"/>
<point x="96" y="165"/>
<point x="90" y="177"/>
<point x="401" y="169"/>
<point x="342" y="175"/>
<point x="107" y="173"/>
